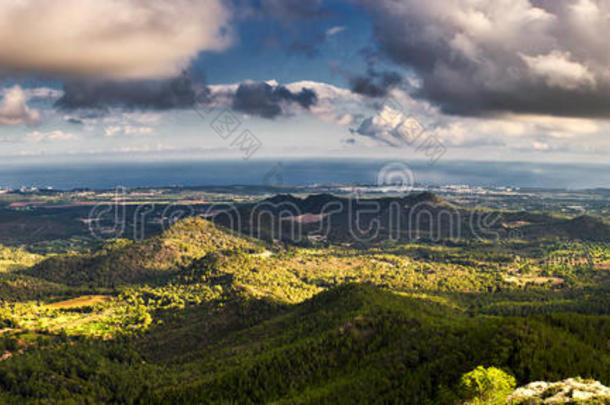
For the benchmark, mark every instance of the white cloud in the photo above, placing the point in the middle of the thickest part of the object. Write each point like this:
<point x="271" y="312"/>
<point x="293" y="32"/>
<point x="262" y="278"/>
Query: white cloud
<point x="335" y="30"/>
<point x="42" y="93"/>
<point x="14" y="110"/>
<point x="57" y="135"/>
<point x="111" y="38"/>
<point x="541" y="146"/>
<point x="585" y="12"/>
<point x="558" y="70"/>
<point x="127" y="130"/>
<point x="391" y="127"/>
<point x="335" y="104"/>
<point x="559" y="127"/>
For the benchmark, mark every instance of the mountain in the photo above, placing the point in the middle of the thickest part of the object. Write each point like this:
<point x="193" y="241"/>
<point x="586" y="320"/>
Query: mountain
<point x="416" y="217"/>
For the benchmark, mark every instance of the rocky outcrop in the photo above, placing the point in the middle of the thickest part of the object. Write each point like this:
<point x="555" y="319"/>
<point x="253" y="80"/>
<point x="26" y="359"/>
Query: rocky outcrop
<point x="572" y="391"/>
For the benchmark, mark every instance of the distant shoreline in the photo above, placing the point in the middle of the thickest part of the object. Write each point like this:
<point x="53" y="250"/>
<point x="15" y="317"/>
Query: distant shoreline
<point x="300" y="173"/>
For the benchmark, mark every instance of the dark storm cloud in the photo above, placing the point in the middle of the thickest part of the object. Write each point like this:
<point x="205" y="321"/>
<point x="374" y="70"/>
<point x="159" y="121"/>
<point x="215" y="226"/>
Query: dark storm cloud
<point x="75" y="121"/>
<point x="374" y="84"/>
<point x="178" y="92"/>
<point x="260" y="99"/>
<point x="268" y="101"/>
<point x="535" y="100"/>
<point x="522" y="56"/>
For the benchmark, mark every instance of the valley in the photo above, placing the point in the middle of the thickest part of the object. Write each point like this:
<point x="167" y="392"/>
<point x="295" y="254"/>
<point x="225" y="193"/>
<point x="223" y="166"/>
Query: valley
<point x="342" y="308"/>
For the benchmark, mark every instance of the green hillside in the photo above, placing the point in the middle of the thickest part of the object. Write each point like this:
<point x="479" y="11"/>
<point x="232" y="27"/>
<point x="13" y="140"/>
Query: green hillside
<point x="354" y="343"/>
<point x="124" y="261"/>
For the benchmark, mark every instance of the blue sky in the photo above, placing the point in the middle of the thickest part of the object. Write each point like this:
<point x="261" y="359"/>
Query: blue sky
<point x="504" y="80"/>
<point x="270" y="49"/>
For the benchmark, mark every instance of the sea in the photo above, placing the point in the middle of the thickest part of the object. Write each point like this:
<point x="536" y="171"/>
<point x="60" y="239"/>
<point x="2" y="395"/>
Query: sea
<point x="303" y="172"/>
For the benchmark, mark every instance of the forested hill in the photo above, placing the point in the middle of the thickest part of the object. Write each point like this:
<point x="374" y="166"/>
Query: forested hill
<point x="124" y="261"/>
<point x="421" y="216"/>
<point x="350" y="344"/>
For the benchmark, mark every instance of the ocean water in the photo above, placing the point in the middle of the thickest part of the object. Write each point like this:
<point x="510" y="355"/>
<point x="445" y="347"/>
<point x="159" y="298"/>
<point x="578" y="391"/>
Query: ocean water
<point x="299" y="173"/>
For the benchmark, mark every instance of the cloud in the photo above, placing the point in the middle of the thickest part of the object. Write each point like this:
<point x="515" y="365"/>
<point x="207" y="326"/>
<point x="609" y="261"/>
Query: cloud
<point x="390" y="127"/>
<point x="178" y="92"/>
<point x="56" y="135"/>
<point x="116" y="130"/>
<point x="14" y="110"/>
<point x="263" y="99"/>
<point x="521" y="56"/>
<point x="267" y="101"/>
<point x="541" y="146"/>
<point x="335" y="30"/>
<point x="374" y="84"/>
<point x="111" y="38"/>
<point x="402" y="121"/>
<point x="558" y="70"/>
<point x="556" y="127"/>
<point x="37" y="93"/>
<point x="74" y="120"/>
<point x="334" y="104"/>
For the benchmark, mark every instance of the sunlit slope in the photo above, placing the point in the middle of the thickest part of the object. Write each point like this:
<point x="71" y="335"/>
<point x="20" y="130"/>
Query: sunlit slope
<point x="127" y="262"/>
<point x="360" y="343"/>
<point x="350" y="344"/>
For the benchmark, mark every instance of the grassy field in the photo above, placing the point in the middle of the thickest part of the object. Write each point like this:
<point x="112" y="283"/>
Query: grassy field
<point x="80" y="302"/>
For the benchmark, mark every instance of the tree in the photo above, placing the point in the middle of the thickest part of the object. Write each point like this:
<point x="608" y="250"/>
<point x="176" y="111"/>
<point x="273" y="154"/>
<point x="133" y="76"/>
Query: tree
<point x="486" y="386"/>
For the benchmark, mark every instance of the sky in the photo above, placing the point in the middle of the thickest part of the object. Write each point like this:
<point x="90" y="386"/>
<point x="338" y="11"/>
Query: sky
<point x="501" y="80"/>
